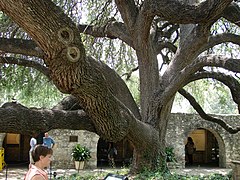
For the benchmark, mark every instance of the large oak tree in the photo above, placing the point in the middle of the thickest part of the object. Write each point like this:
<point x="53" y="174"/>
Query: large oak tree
<point x="151" y="28"/>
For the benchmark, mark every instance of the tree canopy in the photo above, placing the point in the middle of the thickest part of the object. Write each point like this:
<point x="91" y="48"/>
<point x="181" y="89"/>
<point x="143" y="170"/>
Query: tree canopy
<point x="171" y="44"/>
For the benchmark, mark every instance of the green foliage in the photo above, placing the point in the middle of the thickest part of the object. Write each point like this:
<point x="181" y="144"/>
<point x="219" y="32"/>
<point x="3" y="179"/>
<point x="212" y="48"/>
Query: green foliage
<point x="80" y="153"/>
<point x="133" y="85"/>
<point x="228" y="49"/>
<point x="170" y="156"/>
<point x="114" y="53"/>
<point x="152" y="176"/>
<point x="78" y="177"/>
<point x="28" y="86"/>
<point x="93" y="175"/>
<point x="33" y="89"/>
<point x="145" y="175"/>
<point x="173" y="176"/>
<point x="213" y="96"/>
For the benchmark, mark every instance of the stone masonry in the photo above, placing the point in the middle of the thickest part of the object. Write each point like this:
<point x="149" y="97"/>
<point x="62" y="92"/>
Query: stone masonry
<point x="179" y="127"/>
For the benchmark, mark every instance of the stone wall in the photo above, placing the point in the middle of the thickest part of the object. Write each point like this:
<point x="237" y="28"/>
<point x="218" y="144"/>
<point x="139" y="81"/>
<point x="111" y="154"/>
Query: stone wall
<point x="62" y="150"/>
<point x="179" y="127"/>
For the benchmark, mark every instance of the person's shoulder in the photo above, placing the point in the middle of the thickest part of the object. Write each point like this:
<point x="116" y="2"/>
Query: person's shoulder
<point x="37" y="177"/>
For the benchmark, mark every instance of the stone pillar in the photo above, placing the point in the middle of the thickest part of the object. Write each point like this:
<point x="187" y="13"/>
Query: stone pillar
<point x="2" y="136"/>
<point x="236" y="170"/>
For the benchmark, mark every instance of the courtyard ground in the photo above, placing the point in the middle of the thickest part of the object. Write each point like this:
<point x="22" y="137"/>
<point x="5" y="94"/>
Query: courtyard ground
<point x="18" y="172"/>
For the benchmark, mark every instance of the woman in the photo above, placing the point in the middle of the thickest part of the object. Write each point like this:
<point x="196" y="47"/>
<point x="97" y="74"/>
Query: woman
<point x="190" y="149"/>
<point x="33" y="143"/>
<point x="42" y="157"/>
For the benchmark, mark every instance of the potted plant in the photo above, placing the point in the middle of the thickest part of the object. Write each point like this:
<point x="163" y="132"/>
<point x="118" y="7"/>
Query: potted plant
<point x="80" y="154"/>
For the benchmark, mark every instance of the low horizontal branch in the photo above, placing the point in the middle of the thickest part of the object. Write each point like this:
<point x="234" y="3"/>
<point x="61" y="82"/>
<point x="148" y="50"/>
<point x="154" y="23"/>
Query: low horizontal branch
<point x="16" y="118"/>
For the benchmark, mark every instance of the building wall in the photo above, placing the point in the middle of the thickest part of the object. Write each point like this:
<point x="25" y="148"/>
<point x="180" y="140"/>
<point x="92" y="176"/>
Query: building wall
<point x="62" y="150"/>
<point x="179" y="127"/>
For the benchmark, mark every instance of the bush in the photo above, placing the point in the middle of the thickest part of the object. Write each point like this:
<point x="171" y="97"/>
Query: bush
<point x="170" y="156"/>
<point x="80" y="153"/>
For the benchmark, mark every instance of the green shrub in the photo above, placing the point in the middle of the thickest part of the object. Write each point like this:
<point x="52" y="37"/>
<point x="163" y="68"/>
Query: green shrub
<point x="80" y="153"/>
<point x="170" y="156"/>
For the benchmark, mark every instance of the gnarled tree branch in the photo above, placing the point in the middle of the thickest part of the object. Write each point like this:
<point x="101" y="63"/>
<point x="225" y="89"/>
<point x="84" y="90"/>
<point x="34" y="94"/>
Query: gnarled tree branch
<point x="228" y="80"/>
<point x="221" y="38"/>
<point x="27" y="63"/>
<point x="15" y="118"/>
<point x="68" y="103"/>
<point x="20" y="46"/>
<point x="217" y="61"/>
<point x="112" y="30"/>
<point x="161" y="98"/>
<point x="205" y="116"/>
<point x="129" y="12"/>
<point x="232" y="13"/>
<point x="187" y="14"/>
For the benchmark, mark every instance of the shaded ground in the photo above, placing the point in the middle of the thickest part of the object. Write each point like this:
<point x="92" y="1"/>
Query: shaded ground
<point x="202" y="171"/>
<point x="18" y="172"/>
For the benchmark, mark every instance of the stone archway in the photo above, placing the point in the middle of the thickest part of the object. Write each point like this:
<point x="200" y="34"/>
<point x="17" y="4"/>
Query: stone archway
<point x="123" y="156"/>
<point x="16" y="148"/>
<point x="210" y="148"/>
<point x="221" y="145"/>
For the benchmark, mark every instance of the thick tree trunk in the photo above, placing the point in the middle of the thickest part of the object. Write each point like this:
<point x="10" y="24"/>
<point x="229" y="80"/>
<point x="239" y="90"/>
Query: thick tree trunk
<point x="108" y="110"/>
<point x="147" y="148"/>
<point x="149" y="77"/>
<point x="71" y="71"/>
<point x="74" y="73"/>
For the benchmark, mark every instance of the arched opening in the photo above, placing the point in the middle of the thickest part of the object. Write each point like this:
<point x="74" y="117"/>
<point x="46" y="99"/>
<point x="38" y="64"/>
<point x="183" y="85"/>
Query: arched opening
<point x="122" y="158"/>
<point x="207" y="152"/>
<point x="16" y="149"/>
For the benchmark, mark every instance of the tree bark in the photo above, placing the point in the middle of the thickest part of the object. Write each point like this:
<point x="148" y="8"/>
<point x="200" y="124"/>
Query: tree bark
<point x="71" y="71"/>
<point x="74" y="73"/>
<point x="17" y="118"/>
<point x="108" y="110"/>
